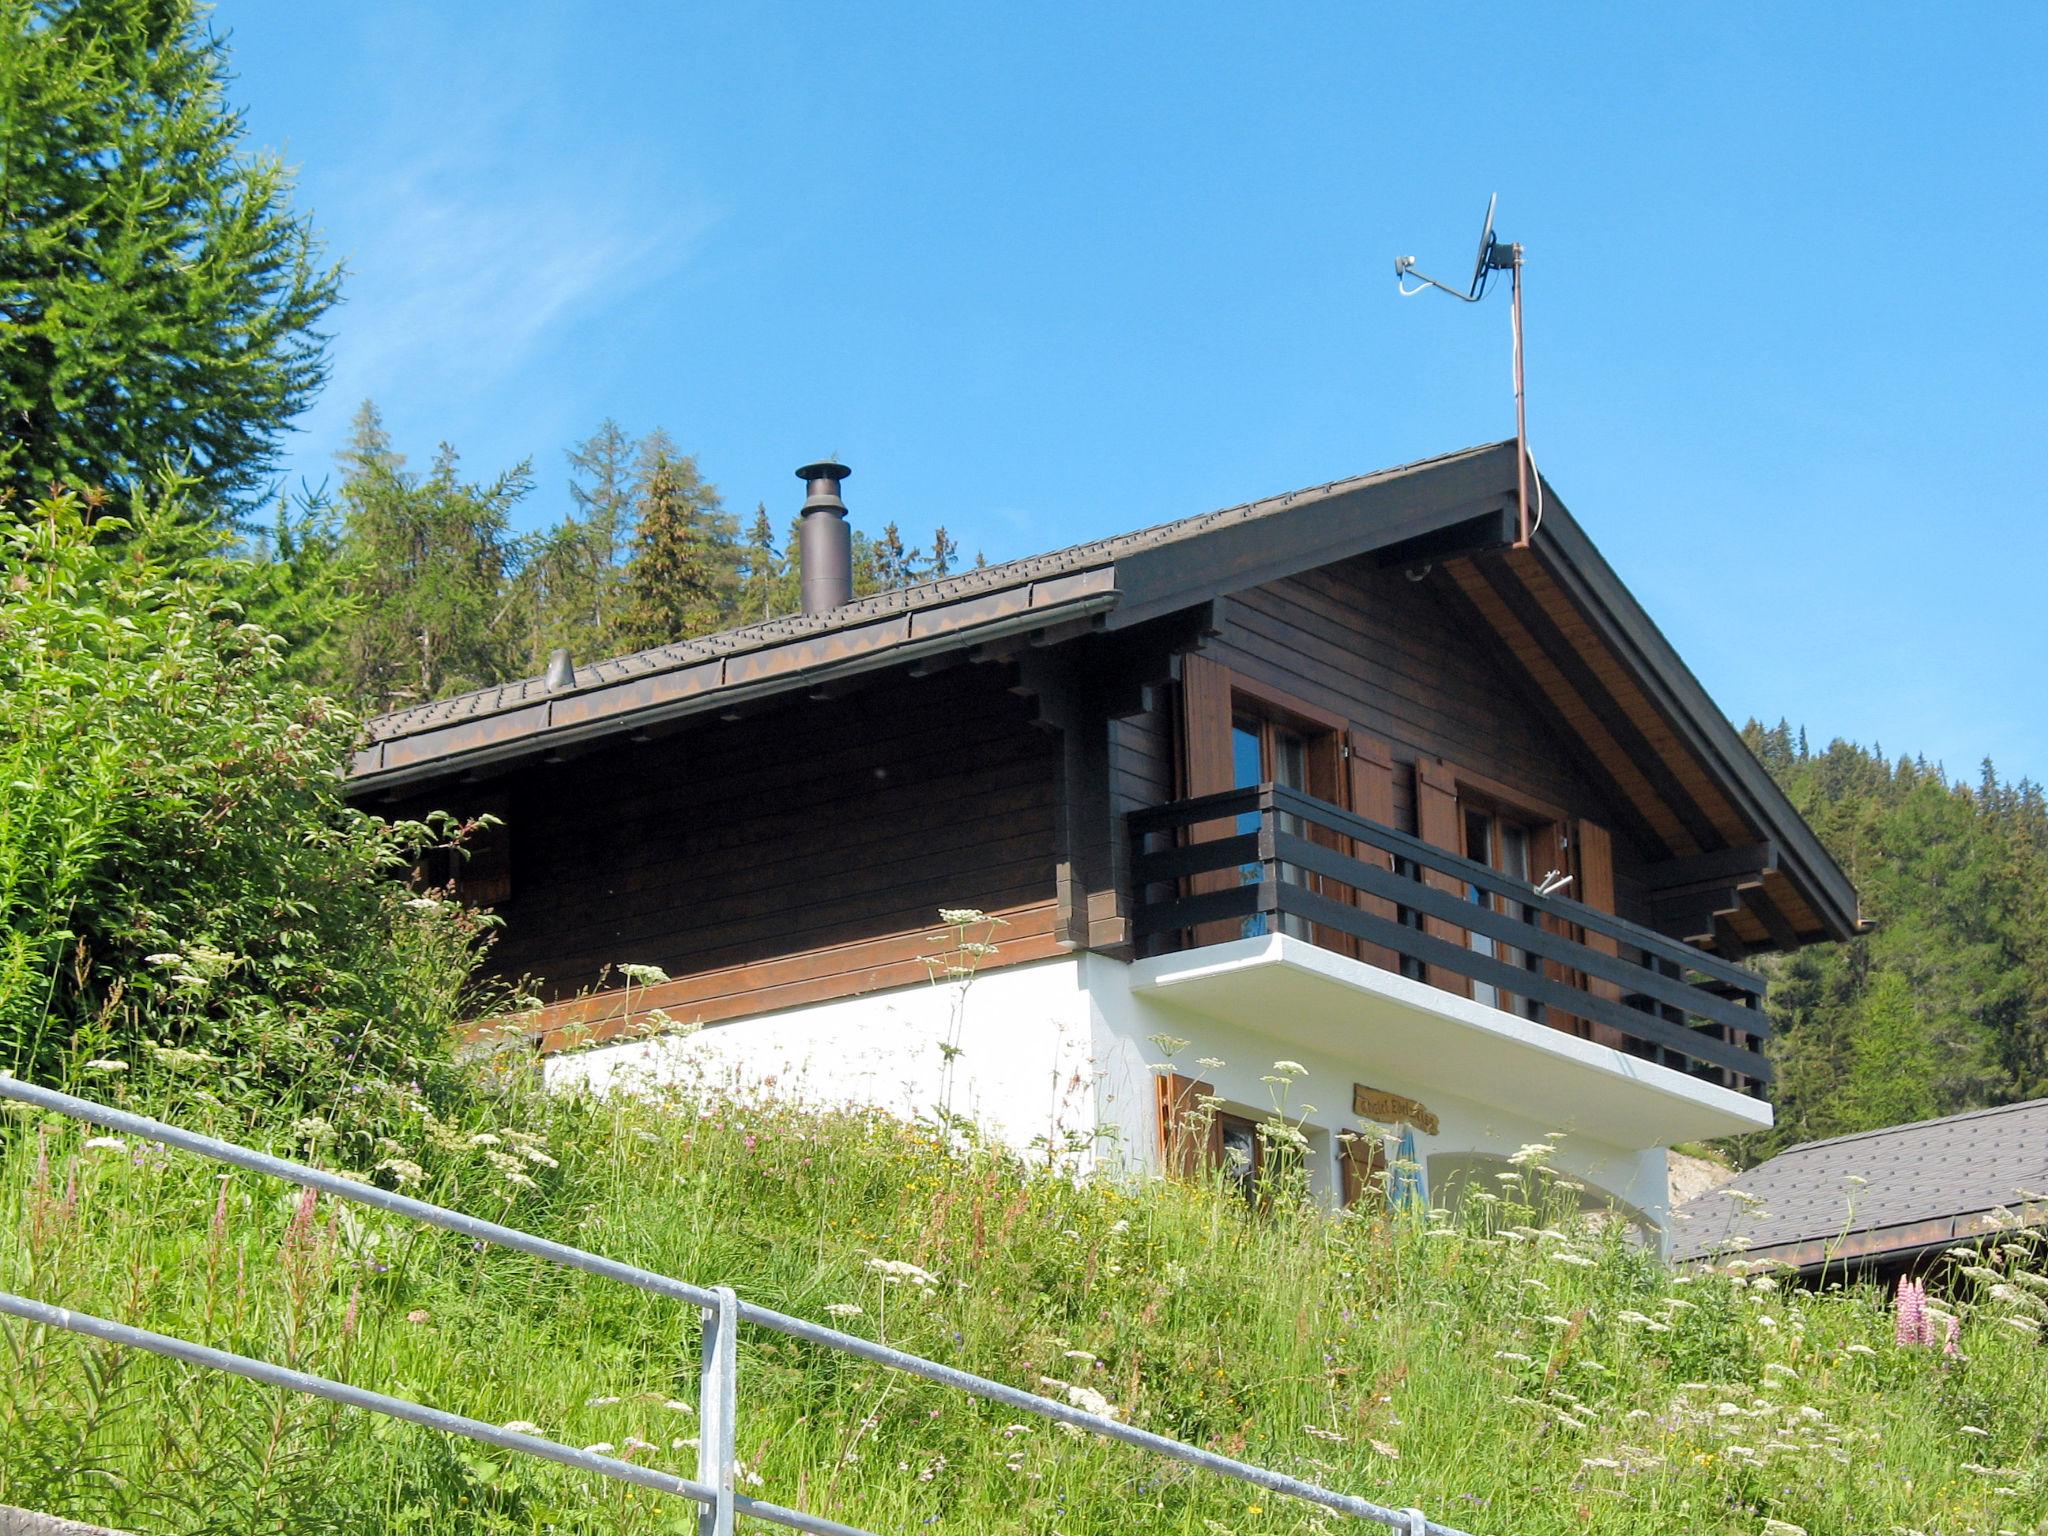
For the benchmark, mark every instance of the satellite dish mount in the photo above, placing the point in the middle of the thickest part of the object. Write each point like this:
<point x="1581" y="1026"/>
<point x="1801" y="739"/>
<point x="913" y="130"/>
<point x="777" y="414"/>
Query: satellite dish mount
<point x="1495" y="255"/>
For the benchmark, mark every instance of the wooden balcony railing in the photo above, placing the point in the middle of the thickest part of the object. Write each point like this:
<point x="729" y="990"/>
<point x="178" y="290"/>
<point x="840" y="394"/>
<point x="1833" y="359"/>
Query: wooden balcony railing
<point x="1284" y="862"/>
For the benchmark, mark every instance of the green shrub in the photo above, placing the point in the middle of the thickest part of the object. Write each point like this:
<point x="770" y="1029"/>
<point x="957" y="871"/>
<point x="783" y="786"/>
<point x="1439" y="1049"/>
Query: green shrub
<point x="182" y="888"/>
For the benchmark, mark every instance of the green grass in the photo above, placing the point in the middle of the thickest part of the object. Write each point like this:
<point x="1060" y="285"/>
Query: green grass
<point x="1507" y="1374"/>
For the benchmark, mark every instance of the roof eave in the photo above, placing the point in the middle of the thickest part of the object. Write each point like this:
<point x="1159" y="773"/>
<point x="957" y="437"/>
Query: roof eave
<point x="719" y="683"/>
<point x="1585" y="574"/>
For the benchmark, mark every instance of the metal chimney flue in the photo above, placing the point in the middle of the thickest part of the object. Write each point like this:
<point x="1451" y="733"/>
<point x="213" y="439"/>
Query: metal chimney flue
<point x="824" y="542"/>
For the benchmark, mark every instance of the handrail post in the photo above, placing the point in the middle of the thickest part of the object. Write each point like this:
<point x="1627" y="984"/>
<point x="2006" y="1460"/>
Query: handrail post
<point x="718" y="1411"/>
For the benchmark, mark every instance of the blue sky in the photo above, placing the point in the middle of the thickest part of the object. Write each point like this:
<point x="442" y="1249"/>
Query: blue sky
<point x="1046" y="272"/>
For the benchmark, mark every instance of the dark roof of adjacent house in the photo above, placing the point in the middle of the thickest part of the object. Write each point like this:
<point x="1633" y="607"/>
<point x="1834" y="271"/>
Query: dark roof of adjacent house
<point x="1643" y="727"/>
<point x="1877" y="1195"/>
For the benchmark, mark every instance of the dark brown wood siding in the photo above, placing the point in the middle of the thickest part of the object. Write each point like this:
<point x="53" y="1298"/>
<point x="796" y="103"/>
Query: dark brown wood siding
<point x="1393" y="658"/>
<point x="820" y="826"/>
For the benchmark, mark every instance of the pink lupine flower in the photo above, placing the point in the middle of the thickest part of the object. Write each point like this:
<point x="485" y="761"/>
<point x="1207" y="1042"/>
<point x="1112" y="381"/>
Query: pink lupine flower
<point x="1911" y="1324"/>
<point x="1950" y="1347"/>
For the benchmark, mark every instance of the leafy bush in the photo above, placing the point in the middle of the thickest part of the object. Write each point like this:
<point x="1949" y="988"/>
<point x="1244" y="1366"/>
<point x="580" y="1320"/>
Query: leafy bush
<point x="182" y="887"/>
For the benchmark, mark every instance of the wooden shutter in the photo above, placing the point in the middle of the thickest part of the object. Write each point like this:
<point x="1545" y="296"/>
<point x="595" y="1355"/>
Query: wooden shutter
<point x="1596" y="889"/>
<point x="1360" y="1160"/>
<point x="1205" y="731"/>
<point x="1436" y="822"/>
<point x="1190" y="1135"/>
<point x="1372" y="796"/>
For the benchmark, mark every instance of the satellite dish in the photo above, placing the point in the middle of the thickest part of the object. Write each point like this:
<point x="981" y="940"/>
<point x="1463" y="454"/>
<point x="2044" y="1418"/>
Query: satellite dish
<point x="1494" y="256"/>
<point x="1484" y="259"/>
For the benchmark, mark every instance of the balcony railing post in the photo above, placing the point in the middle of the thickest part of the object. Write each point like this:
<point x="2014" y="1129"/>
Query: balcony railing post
<point x="718" y="1411"/>
<point x="1269" y="858"/>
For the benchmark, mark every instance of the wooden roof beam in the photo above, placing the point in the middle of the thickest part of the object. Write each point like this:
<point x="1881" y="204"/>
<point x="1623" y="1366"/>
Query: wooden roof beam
<point x="1580" y="678"/>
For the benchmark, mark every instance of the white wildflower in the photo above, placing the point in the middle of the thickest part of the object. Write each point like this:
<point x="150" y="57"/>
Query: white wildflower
<point x="106" y="1064"/>
<point x="842" y="1309"/>
<point x="1290" y="1068"/>
<point x="1316" y="1432"/>
<point x="643" y="975"/>
<point x="959" y="917"/>
<point x="483" y="1139"/>
<point x="600" y="1448"/>
<point x="599" y="1402"/>
<point x="1085" y="1398"/>
<point x="520" y="1427"/>
<point x="896" y="1271"/>
<point x="105" y="1144"/>
<point x="1079" y="1354"/>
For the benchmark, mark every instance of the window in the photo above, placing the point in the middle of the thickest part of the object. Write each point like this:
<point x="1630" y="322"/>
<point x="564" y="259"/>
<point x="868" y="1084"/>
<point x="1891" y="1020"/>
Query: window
<point x="1500" y="841"/>
<point x="1266" y="750"/>
<point x="1244" y="1153"/>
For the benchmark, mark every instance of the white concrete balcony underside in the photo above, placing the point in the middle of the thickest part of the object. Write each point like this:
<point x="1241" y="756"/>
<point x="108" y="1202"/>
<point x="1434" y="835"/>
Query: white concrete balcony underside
<point x="1292" y="992"/>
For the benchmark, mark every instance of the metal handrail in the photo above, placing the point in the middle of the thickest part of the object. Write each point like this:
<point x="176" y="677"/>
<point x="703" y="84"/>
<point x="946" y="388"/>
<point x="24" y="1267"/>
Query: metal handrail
<point x="722" y="1310"/>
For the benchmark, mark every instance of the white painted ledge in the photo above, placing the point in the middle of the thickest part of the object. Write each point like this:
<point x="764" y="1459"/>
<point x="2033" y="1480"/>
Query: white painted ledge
<point x="1289" y="990"/>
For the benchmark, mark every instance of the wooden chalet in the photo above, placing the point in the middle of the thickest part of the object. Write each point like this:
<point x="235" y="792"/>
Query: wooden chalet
<point x="1338" y="777"/>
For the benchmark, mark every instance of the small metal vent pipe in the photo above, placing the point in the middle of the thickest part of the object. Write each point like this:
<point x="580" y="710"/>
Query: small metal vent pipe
<point x="561" y="671"/>
<point x="824" y="542"/>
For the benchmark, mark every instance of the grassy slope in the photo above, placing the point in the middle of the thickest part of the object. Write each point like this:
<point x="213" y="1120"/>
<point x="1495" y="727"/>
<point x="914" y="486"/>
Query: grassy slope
<point x="1507" y="1383"/>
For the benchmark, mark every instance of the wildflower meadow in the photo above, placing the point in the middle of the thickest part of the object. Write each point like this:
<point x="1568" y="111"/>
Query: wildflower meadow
<point x="1511" y="1368"/>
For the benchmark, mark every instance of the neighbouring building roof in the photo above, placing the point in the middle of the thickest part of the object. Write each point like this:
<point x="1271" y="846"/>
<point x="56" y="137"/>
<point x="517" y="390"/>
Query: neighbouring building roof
<point x="1876" y="1196"/>
<point x="1626" y="703"/>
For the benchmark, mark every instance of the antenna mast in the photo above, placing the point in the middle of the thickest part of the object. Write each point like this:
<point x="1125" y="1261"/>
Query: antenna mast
<point x="1494" y="256"/>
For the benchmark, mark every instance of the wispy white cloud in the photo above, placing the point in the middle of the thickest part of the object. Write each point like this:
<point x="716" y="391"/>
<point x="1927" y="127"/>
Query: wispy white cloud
<point x="477" y="233"/>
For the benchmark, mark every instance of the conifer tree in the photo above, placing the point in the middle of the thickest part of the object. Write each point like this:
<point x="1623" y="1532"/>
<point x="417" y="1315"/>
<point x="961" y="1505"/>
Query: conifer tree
<point x="683" y="578"/>
<point x="761" y="577"/>
<point x="573" y="574"/>
<point x="433" y="562"/>
<point x="159" y="297"/>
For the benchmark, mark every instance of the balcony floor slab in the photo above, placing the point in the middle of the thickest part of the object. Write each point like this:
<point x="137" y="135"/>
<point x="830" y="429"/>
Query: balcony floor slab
<point x="1294" y="992"/>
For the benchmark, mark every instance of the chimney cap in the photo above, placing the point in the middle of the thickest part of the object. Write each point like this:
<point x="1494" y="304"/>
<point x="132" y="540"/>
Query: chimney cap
<point x="824" y="469"/>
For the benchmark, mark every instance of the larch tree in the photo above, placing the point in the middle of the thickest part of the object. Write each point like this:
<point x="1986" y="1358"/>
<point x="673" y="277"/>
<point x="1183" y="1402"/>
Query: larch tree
<point x="433" y="571"/>
<point x="159" y="296"/>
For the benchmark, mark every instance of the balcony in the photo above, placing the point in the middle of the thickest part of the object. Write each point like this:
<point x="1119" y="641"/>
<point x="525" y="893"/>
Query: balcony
<point x="1271" y="861"/>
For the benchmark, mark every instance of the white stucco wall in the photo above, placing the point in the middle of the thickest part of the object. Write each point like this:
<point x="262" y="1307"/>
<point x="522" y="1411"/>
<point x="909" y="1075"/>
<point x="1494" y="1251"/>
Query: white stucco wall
<point x="1023" y="1071"/>
<point x="1063" y="1052"/>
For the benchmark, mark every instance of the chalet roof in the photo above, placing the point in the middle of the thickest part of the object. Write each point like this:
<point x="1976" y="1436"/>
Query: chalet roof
<point x="1877" y="1194"/>
<point x="1642" y="727"/>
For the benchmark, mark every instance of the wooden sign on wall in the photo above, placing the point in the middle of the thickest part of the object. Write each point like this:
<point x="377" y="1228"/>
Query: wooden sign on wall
<point x="1391" y="1109"/>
